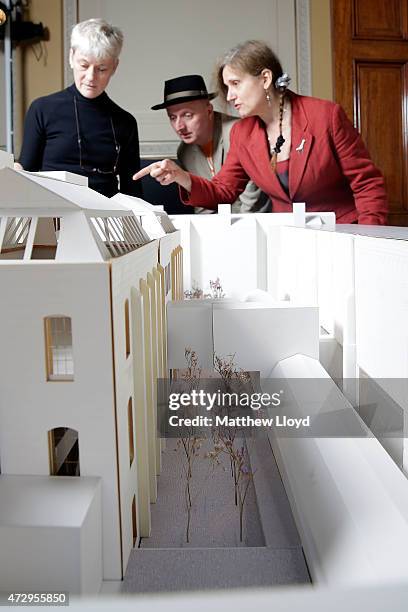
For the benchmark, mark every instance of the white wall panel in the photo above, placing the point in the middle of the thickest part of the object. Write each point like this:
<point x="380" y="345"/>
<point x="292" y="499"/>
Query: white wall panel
<point x="183" y="37"/>
<point x="381" y="304"/>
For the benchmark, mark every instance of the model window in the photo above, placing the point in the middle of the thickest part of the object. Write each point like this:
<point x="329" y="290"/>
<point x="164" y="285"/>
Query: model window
<point x="127" y="328"/>
<point x="29" y="238"/>
<point x="45" y="239"/>
<point x="167" y="276"/>
<point x="130" y="428"/>
<point x="177" y="274"/>
<point x="58" y="344"/>
<point x="120" y="235"/>
<point x="134" y="521"/>
<point x="64" y="452"/>
<point x="15" y="237"/>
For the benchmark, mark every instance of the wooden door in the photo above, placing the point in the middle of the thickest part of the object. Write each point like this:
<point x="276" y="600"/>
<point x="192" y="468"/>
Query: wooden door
<point x="370" y="42"/>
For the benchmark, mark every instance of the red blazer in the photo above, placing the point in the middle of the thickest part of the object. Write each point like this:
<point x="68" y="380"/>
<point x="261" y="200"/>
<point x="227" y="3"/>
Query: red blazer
<point x="331" y="171"/>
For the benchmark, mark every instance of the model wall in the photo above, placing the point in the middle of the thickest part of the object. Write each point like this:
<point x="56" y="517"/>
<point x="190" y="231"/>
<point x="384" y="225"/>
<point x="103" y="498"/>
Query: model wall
<point x="126" y="274"/>
<point x="318" y="267"/>
<point x="382" y="333"/>
<point x="31" y="405"/>
<point x="357" y="281"/>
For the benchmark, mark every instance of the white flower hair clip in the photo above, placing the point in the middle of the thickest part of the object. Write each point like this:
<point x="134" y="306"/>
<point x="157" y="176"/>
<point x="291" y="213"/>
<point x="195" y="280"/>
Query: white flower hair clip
<point x="282" y="82"/>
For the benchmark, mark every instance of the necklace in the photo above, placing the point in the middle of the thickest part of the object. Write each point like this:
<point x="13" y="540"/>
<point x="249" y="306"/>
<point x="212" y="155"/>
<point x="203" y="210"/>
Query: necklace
<point x="79" y="139"/>
<point x="276" y="149"/>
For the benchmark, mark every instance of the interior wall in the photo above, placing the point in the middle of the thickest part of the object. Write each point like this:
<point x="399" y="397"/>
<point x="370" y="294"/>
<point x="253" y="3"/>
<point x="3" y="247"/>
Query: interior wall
<point x="192" y="27"/>
<point x="37" y="69"/>
<point x="17" y="90"/>
<point x="43" y="62"/>
<point x="182" y="37"/>
<point x="321" y="49"/>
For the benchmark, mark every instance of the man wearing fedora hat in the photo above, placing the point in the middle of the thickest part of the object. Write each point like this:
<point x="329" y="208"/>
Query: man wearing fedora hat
<point x="205" y="135"/>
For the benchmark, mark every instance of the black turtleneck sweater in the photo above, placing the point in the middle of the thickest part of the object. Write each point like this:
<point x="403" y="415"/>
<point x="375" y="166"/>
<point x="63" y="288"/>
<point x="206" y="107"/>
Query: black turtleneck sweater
<point x="51" y="140"/>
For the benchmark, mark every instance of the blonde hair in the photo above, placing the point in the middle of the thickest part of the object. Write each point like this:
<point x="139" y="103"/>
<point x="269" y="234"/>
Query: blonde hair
<point x="97" y="38"/>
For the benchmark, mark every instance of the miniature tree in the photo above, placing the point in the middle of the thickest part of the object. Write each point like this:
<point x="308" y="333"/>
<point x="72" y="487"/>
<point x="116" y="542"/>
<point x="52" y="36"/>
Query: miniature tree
<point x="229" y="373"/>
<point x="224" y="437"/>
<point x="189" y="442"/>
<point x="243" y="474"/>
<point x="216" y="289"/>
<point x="226" y="368"/>
<point x="196" y="293"/>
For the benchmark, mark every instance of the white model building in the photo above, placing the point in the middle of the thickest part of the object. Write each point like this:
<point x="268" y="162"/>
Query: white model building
<point x="84" y="283"/>
<point x="86" y="295"/>
<point x="348" y="493"/>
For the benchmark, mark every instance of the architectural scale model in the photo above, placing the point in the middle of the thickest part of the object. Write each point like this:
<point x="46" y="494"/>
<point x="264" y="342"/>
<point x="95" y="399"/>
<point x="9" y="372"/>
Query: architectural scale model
<point x="86" y="289"/>
<point x="85" y="282"/>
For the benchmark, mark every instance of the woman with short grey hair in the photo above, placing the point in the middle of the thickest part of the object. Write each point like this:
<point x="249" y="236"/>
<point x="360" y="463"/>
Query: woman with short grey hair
<point x="98" y="38"/>
<point x="80" y="129"/>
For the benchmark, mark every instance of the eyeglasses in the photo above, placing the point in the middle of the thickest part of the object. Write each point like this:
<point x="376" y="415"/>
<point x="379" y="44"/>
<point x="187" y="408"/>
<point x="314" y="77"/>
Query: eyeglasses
<point x="117" y="147"/>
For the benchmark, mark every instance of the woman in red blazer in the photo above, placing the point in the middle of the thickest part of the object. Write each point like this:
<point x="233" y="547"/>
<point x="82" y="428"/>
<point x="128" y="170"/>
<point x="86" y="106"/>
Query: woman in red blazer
<point x="295" y="148"/>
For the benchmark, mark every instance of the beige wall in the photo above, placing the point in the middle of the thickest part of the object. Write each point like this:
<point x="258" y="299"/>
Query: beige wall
<point x="44" y="76"/>
<point x="321" y="50"/>
<point x="38" y="69"/>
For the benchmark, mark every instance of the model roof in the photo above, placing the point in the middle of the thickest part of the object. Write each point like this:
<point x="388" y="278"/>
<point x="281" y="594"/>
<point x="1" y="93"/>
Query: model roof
<point x="154" y="219"/>
<point x="26" y="192"/>
<point x="46" y="218"/>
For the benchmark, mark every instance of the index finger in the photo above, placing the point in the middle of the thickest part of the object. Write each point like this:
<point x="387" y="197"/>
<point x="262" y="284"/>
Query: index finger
<point x="143" y="172"/>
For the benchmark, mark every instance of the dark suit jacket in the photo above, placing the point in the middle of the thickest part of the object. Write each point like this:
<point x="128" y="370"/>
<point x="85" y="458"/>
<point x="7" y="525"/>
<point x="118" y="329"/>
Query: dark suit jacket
<point x="329" y="167"/>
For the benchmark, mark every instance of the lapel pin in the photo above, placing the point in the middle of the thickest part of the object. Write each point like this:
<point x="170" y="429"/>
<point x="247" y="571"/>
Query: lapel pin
<point x="300" y="147"/>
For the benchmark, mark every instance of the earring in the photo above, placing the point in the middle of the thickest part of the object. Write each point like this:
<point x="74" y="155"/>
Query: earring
<point x="268" y="97"/>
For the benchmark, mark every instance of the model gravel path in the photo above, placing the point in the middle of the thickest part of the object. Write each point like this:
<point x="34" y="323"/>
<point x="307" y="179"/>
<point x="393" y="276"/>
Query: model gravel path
<point x="270" y="554"/>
